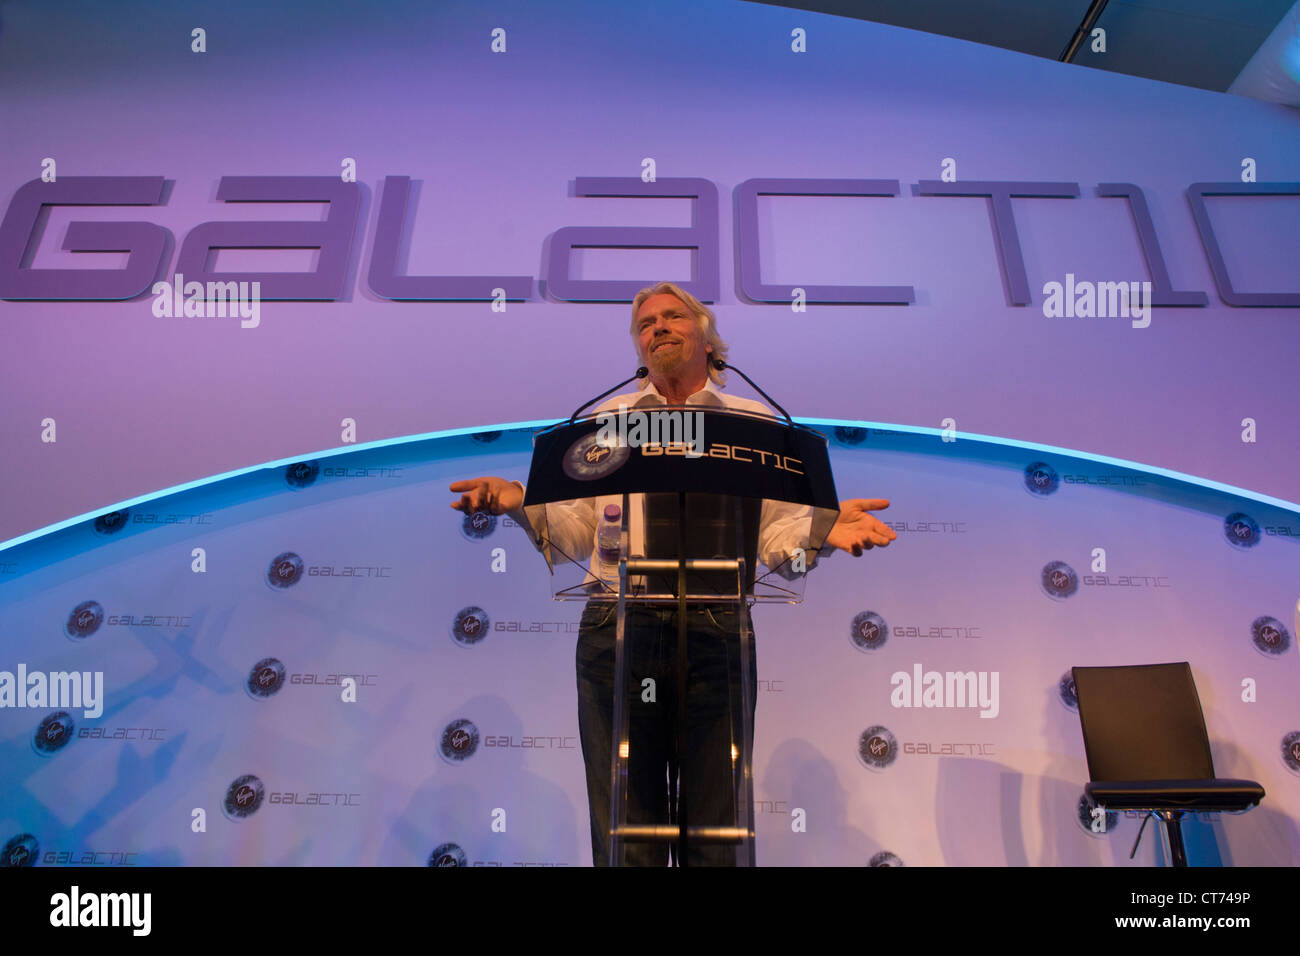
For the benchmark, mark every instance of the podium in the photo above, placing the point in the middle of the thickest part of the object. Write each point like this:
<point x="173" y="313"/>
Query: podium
<point x="701" y="509"/>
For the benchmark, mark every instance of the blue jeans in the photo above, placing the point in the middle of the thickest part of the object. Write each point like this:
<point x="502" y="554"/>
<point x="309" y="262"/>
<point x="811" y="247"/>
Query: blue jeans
<point x="713" y="639"/>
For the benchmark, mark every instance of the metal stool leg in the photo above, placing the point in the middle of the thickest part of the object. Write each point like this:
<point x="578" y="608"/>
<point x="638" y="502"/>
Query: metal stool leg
<point x="1174" y="829"/>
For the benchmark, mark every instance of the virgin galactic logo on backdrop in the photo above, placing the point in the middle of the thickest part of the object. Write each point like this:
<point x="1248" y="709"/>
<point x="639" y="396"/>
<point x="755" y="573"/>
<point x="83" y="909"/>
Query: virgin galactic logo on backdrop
<point x="1241" y="530"/>
<point x="112" y="522"/>
<point x="868" y="632"/>
<point x="84" y="620"/>
<point x="1092" y="818"/>
<point x="21" y="850"/>
<point x="1291" y="752"/>
<point x="265" y="679"/>
<point x="243" y="797"/>
<point x="877" y="747"/>
<point x="53" y="733"/>
<point x="1066" y="692"/>
<point x="448" y="854"/>
<point x="459" y="741"/>
<point x="285" y="571"/>
<point x="477" y="525"/>
<point x="1058" y="580"/>
<point x="471" y="625"/>
<point x="1041" y="479"/>
<point x="301" y="474"/>
<point x="1269" y="636"/>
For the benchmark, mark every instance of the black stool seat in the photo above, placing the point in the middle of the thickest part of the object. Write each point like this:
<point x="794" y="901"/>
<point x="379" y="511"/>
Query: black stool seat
<point x="1204" y="796"/>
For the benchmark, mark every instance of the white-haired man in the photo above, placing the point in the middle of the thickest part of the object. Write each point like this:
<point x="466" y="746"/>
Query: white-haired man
<point x="676" y="337"/>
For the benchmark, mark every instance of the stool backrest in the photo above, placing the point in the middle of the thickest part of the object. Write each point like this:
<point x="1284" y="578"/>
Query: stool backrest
<point x="1142" y="722"/>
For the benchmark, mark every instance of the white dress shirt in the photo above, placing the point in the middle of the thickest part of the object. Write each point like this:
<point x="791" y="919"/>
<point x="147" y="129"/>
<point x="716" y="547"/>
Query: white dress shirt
<point x="570" y="526"/>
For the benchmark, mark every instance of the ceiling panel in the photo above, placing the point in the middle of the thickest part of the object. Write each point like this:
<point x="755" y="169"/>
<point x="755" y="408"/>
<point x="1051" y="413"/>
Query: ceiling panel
<point x="1201" y="43"/>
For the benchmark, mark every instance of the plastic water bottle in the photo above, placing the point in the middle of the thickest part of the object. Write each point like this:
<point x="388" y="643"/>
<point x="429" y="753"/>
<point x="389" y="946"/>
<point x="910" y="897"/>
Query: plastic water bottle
<point x="609" y="537"/>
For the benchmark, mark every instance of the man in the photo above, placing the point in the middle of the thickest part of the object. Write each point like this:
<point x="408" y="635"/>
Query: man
<point x="676" y="338"/>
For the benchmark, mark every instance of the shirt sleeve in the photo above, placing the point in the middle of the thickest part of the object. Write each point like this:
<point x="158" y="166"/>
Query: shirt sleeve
<point x="569" y="527"/>
<point x="784" y="526"/>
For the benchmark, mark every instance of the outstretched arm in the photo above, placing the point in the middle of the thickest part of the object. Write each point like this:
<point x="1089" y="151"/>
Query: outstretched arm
<point x="787" y="526"/>
<point x="566" y="530"/>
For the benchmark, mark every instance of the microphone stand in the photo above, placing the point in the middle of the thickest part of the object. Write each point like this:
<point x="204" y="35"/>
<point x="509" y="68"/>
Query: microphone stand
<point x="641" y="372"/>
<point x="720" y="364"/>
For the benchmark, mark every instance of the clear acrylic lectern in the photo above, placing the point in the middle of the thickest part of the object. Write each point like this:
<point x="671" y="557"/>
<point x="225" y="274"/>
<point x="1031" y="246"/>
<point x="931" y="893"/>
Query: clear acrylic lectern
<point x="697" y="521"/>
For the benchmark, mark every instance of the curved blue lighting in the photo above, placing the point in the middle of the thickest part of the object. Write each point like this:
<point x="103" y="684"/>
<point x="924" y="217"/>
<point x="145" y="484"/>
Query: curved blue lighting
<point x="1032" y="447"/>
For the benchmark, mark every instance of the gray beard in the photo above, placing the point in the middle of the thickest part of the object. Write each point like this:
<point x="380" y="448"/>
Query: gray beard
<point x="666" y="363"/>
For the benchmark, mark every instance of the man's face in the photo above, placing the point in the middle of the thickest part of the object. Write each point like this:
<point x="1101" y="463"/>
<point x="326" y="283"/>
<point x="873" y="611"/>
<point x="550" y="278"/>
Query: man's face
<point x="670" y="339"/>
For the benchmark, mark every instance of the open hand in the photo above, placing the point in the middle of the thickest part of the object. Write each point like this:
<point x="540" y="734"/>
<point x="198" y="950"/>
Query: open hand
<point x="491" y="494"/>
<point x="857" y="529"/>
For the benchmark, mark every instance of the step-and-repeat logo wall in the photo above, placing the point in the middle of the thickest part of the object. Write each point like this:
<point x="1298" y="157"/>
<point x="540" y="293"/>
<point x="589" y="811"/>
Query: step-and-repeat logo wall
<point x="324" y="664"/>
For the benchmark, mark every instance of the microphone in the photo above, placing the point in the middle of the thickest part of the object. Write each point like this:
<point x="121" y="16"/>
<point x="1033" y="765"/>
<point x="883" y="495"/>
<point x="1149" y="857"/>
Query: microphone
<point x="720" y="364"/>
<point x="641" y="372"/>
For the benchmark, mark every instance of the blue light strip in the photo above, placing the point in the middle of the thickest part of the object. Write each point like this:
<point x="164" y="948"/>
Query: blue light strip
<point x="1071" y="453"/>
<point x="200" y="482"/>
<point x="512" y="426"/>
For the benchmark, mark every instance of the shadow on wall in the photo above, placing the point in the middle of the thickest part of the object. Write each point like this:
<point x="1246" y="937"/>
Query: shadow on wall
<point x="1261" y="835"/>
<point x="798" y="769"/>
<point x="446" y="820"/>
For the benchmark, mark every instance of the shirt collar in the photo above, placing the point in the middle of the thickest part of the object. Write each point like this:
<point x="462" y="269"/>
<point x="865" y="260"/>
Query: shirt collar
<point x="708" y="395"/>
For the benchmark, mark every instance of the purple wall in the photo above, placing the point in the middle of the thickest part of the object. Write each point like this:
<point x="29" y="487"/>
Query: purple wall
<point x="494" y="143"/>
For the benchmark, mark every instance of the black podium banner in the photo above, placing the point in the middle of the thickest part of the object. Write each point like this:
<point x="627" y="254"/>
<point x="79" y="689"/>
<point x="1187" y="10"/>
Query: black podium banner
<point x="746" y="455"/>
